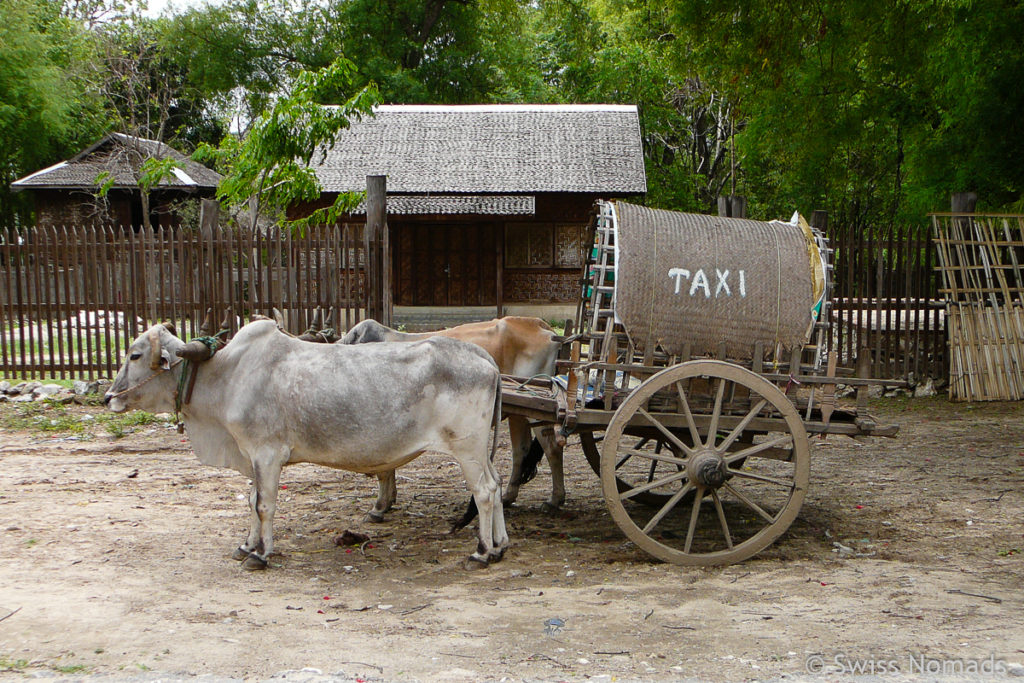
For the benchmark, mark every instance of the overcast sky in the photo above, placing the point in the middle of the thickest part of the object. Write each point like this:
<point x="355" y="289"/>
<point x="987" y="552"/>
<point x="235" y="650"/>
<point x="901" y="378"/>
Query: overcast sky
<point x="156" y="7"/>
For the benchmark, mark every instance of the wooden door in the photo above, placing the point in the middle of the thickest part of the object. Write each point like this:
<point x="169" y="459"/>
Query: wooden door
<point x="445" y="264"/>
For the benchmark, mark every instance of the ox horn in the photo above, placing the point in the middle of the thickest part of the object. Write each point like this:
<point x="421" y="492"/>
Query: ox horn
<point x="207" y="327"/>
<point x="170" y="327"/>
<point x="225" y="324"/>
<point x="330" y="336"/>
<point x="314" y="327"/>
<point x="196" y="351"/>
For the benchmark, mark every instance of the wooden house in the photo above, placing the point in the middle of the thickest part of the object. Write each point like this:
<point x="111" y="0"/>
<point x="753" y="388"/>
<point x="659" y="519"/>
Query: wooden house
<point x="487" y="204"/>
<point x="67" y="193"/>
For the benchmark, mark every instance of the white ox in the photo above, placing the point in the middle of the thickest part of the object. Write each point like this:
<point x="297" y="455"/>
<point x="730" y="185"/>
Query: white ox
<point x="523" y="347"/>
<point x="267" y="400"/>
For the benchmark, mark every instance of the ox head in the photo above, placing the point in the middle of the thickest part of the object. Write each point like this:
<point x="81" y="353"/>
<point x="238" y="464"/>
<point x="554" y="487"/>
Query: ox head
<point x="143" y="381"/>
<point x="366" y="332"/>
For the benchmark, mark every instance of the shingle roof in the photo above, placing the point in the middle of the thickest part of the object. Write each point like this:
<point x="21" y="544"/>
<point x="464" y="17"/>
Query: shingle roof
<point x="489" y="205"/>
<point x="119" y="155"/>
<point x="490" y="149"/>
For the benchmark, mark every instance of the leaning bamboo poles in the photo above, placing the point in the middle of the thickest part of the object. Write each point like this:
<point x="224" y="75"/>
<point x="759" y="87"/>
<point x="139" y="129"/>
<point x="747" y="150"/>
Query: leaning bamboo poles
<point x="981" y="258"/>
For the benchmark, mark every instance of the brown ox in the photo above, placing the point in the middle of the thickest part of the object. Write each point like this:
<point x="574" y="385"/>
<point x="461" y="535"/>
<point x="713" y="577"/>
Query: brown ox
<point x="523" y="347"/>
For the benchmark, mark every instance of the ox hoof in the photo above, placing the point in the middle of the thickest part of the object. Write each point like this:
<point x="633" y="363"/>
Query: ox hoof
<point x="549" y="508"/>
<point x="375" y="517"/>
<point x="240" y="554"/>
<point x="473" y="562"/>
<point x="254" y="563"/>
<point x="495" y="555"/>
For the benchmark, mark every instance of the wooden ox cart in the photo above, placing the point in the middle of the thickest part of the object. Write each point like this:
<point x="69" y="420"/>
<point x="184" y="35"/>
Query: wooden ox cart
<point x="697" y="375"/>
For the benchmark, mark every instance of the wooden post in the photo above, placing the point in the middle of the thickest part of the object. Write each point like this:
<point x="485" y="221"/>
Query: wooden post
<point x="385" y="273"/>
<point x="376" y="226"/>
<point x="964" y="202"/>
<point x="819" y="220"/>
<point x="209" y="219"/>
<point x="738" y="207"/>
<point x="732" y="206"/>
<point x="499" y="251"/>
<point x="863" y="372"/>
<point x="723" y="205"/>
<point x="209" y="216"/>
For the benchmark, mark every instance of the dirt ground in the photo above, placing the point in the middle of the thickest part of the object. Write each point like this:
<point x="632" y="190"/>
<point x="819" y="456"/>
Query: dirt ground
<point x="114" y="559"/>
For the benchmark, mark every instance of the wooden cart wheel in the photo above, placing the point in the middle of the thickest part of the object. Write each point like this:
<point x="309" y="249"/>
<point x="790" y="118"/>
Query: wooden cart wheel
<point x="722" y="502"/>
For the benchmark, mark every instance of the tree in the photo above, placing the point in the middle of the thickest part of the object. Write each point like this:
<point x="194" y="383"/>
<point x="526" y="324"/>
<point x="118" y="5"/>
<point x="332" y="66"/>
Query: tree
<point x="48" y="101"/>
<point x="875" y="110"/>
<point x="268" y="170"/>
<point x="241" y="54"/>
<point x="619" y="51"/>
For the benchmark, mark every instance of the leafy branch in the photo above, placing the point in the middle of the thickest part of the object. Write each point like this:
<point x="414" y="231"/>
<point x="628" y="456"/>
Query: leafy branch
<point x="268" y="170"/>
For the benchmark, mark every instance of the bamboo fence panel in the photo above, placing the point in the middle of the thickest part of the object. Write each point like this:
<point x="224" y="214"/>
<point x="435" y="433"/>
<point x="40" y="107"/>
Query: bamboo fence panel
<point x="980" y="258"/>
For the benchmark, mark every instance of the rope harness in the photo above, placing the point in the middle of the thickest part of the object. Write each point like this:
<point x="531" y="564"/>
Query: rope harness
<point x="187" y="379"/>
<point x="159" y="371"/>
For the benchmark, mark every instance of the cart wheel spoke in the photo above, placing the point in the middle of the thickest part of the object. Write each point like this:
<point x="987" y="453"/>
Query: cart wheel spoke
<point x="667" y="507"/>
<point x="652" y="485"/>
<point x="761" y="477"/>
<point x="716" y="413"/>
<point x="625" y="480"/>
<point x="735" y="433"/>
<point x="782" y="442"/>
<point x="694" y="514"/>
<point x="655" y="458"/>
<point x="668" y="435"/>
<point x="721" y="519"/>
<point x="749" y="503"/>
<point x="685" y="405"/>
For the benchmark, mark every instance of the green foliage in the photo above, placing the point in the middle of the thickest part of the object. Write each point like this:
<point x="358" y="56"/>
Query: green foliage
<point x="270" y="165"/>
<point x="52" y="418"/>
<point x="874" y="111"/>
<point x="41" y="416"/>
<point x="435" y="51"/>
<point x="877" y="110"/>
<point x="71" y="668"/>
<point x="239" y="54"/>
<point x="49" y="104"/>
<point x="153" y="171"/>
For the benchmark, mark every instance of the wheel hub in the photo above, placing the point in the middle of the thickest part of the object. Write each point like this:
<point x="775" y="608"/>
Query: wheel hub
<point x="707" y="470"/>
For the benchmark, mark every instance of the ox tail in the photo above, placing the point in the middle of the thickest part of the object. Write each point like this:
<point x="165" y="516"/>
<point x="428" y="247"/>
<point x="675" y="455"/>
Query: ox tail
<point x="471" y="511"/>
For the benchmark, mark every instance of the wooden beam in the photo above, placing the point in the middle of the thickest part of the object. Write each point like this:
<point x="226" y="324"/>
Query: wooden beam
<point x="499" y="250"/>
<point x="376" y="224"/>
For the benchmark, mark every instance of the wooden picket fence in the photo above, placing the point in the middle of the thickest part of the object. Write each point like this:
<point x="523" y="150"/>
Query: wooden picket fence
<point x="887" y="302"/>
<point x="72" y="299"/>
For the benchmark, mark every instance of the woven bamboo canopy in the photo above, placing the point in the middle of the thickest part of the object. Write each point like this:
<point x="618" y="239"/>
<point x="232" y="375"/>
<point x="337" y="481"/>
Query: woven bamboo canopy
<point x="703" y="281"/>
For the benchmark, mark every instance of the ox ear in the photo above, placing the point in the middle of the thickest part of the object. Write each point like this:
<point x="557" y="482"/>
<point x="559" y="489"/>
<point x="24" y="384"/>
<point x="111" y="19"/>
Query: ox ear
<point x="165" y="359"/>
